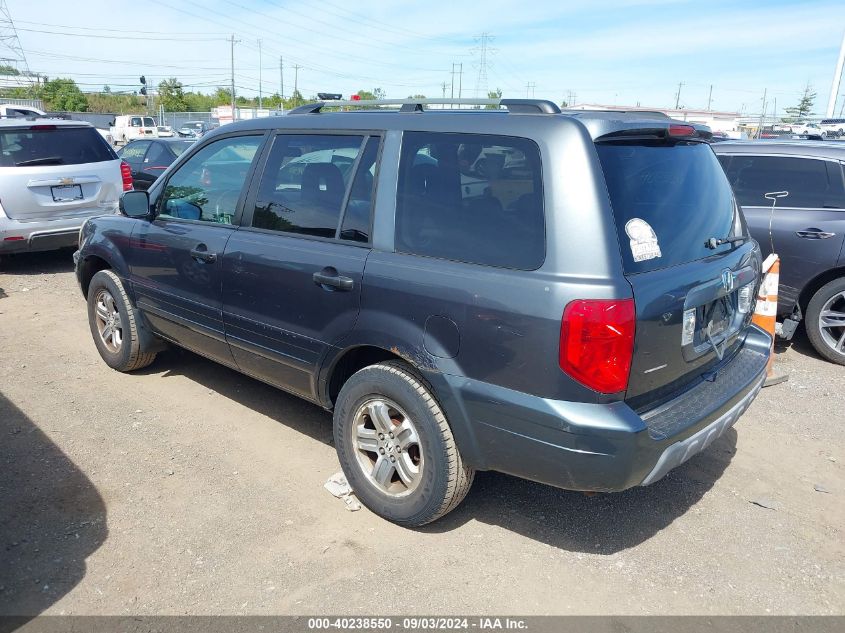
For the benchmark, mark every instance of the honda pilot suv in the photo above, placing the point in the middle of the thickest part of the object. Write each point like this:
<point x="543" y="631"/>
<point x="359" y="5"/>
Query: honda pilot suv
<point x="54" y="174"/>
<point x="562" y="297"/>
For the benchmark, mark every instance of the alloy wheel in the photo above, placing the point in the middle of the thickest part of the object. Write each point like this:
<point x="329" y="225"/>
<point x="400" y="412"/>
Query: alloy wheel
<point x="109" y="324"/>
<point x="832" y="322"/>
<point x="387" y="446"/>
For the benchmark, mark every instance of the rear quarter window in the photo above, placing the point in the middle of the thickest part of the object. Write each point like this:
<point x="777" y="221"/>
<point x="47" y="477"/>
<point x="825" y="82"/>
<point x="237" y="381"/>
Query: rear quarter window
<point x="677" y="195"/>
<point x="53" y="146"/>
<point x="471" y="198"/>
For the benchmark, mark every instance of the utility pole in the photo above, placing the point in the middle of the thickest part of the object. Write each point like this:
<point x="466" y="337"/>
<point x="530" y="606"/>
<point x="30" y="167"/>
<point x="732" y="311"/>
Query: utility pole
<point x="296" y="68"/>
<point x="233" y="77"/>
<point x="529" y="89"/>
<point x="452" y="93"/>
<point x="678" y="95"/>
<point x="443" y="85"/>
<point x="762" y="114"/>
<point x="281" y="83"/>
<point x="460" y="79"/>
<point x="710" y="97"/>
<point x="837" y="80"/>
<point x="259" y="75"/>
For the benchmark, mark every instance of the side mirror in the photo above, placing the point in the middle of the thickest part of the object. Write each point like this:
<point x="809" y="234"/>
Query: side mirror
<point x="135" y="204"/>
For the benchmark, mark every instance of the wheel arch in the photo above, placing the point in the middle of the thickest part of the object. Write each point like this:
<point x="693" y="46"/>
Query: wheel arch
<point x="354" y="358"/>
<point x="817" y="282"/>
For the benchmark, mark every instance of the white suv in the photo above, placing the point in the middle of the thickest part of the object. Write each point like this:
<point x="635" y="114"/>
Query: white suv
<point x="54" y="174"/>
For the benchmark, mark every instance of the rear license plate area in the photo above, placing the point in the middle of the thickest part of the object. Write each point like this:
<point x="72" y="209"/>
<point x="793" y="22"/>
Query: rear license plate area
<point x="715" y="319"/>
<point x="66" y="193"/>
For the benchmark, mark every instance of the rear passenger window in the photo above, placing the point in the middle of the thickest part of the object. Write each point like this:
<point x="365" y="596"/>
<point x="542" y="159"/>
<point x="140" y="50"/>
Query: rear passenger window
<point x="811" y="183"/>
<point x="471" y="198"/>
<point x="304" y="183"/>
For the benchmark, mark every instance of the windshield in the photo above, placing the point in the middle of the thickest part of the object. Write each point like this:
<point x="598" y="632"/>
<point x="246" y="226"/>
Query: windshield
<point x="667" y="201"/>
<point x="197" y="125"/>
<point x="53" y="146"/>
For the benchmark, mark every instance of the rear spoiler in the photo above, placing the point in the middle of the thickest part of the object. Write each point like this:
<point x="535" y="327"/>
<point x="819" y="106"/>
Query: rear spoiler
<point x="676" y="131"/>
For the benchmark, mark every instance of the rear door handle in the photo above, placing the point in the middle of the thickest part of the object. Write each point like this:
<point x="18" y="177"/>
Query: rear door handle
<point x="334" y="281"/>
<point x="201" y="254"/>
<point x="814" y="234"/>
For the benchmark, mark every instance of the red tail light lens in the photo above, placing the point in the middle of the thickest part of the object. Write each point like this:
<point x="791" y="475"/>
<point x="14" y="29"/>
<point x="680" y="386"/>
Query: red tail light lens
<point x="126" y="174"/>
<point x="681" y="130"/>
<point x="597" y="342"/>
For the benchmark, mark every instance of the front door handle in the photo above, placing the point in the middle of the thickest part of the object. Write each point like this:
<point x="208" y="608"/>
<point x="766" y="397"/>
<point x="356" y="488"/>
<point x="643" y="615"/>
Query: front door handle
<point x="334" y="281"/>
<point x="200" y="253"/>
<point x="814" y="234"/>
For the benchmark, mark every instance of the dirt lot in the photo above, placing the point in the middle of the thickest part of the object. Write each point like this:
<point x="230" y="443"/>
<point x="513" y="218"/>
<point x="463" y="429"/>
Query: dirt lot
<point x="188" y="488"/>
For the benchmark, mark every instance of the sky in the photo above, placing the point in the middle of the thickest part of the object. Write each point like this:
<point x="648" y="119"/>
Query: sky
<point x="616" y="52"/>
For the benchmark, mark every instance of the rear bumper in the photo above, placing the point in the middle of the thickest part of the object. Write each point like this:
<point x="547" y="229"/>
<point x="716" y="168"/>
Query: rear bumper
<point x="604" y="447"/>
<point x="41" y="235"/>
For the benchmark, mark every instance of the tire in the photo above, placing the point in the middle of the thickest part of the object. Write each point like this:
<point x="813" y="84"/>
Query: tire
<point x="829" y="340"/>
<point x="442" y="480"/>
<point x="114" y="324"/>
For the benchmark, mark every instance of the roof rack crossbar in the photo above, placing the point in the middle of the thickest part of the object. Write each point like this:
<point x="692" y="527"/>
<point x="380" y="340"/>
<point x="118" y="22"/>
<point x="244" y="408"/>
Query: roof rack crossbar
<point x="521" y="106"/>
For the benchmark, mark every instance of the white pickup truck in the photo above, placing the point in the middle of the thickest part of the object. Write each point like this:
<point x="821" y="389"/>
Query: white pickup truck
<point x="128" y="127"/>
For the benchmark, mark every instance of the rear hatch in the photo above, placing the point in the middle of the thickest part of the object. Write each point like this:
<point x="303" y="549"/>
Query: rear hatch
<point x="53" y="171"/>
<point x="687" y="255"/>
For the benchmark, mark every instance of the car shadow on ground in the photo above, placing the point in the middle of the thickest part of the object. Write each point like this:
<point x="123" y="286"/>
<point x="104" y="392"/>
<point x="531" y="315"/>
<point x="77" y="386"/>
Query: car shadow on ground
<point x="45" y="263"/>
<point x="51" y="517"/>
<point x="292" y="411"/>
<point x="800" y="343"/>
<point x="599" y="524"/>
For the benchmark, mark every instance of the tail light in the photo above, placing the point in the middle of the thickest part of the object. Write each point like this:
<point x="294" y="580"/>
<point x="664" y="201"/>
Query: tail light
<point x="597" y="342"/>
<point x="681" y="130"/>
<point x="126" y="174"/>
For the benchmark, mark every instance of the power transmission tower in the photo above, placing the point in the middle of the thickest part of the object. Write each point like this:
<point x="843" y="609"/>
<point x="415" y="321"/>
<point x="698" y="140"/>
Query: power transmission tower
<point x="11" y="51"/>
<point x="529" y="89"/>
<point x="484" y="48"/>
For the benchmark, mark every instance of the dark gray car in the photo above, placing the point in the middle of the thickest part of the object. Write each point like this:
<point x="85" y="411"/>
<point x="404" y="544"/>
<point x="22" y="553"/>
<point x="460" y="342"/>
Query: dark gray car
<point x="793" y="197"/>
<point x="562" y="297"/>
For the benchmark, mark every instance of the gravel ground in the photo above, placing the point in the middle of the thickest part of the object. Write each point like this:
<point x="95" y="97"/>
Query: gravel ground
<point x="187" y="488"/>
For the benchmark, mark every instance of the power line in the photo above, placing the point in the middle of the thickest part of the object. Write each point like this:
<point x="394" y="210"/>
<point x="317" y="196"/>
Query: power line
<point x="145" y="38"/>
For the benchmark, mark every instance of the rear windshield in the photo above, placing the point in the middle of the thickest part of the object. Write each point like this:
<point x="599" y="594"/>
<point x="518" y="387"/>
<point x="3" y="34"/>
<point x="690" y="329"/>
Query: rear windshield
<point x="180" y="146"/>
<point x="667" y="201"/>
<point x="53" y="146"/>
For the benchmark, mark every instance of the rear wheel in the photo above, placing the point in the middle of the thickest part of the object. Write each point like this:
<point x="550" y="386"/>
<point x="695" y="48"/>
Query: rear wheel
<point x="825" y="321"/>
<point x="396" y="448"/>
<point x="114" y="324"/>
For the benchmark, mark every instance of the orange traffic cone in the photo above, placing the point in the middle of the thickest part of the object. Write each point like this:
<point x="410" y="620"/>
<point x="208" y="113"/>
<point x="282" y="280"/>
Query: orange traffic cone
<point x="765" y="313"/>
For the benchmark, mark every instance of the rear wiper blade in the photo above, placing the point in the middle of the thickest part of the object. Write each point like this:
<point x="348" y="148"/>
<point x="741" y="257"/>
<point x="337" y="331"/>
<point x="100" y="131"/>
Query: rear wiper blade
<point x="47" y="160"/>
<point x="715" y="242"/>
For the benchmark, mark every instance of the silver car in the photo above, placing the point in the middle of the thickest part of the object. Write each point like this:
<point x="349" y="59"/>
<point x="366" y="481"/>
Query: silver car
<point x="54" y="174"/>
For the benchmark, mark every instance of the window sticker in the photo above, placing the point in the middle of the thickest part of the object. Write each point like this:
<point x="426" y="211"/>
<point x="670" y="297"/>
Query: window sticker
<point x="644" y="244"/>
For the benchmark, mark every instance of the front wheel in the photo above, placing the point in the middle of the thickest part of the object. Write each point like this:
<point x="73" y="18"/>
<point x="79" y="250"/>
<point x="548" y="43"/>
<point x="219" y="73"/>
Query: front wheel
<point x="396" y="447"/>
<point x="825" y="321"/>
<point x="114" y="324"/>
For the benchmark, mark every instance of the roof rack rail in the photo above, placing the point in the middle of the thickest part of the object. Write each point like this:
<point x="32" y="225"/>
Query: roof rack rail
<point x="521" y="106"/>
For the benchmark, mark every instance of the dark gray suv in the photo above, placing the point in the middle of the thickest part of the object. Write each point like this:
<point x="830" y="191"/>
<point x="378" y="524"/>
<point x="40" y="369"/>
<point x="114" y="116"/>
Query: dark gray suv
<point x="563" y="297"/>
<point x="793" y="196"/>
